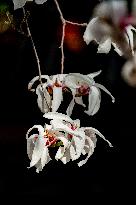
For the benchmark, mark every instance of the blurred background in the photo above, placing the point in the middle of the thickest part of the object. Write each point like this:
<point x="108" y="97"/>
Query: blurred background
<point x="109" y="170"/>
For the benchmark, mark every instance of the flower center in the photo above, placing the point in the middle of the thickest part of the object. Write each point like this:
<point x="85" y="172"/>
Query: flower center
<point x="83" y="90"/>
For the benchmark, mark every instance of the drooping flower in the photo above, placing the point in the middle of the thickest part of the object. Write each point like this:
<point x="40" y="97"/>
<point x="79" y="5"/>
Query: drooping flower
<point x="81" y="85"/>
<point x="81" y="140"/>
<point x="110" y="27"/>
<point x="20" y="3"/>
<point x="49" y="93"/>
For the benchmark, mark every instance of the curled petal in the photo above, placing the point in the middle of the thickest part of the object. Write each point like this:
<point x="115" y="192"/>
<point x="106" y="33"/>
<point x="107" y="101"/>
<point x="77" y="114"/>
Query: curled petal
<point x="79" y="100"/>
<point x="57" y="98"/>
<point x="94" y="101"/>
<point x="105" y="90"/>
<point x="129" y="30"/>
<point x="93" y="75"/>
<point x="46" y="77"/>
<point x="40" y="1"/>
<point x="117" y="49"/>
<point x="40" y="130"/>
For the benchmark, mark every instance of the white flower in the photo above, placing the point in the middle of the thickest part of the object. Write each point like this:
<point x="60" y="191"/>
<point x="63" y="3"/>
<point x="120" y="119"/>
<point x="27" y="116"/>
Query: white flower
<point x="85" y="85"/>
<point x="80" y="140"/>
<point x="52" y="87"/>
<point x="105" y="36"/>
<point x="20" y="3"/>
<point x="129" y="72"/>
<point x="110" y="26"/>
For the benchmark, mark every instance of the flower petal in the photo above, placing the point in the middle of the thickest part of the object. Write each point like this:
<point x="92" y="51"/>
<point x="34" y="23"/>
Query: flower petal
<point x="70" y="107"/>
<point x="129" y="30"/>
<point x="91" y="150"/>
<point x="79" y="100"/>
<point x="59" y="116"/>
<point x="40" y="1"/>
<point x="117" y="49"/>
<point x="57" y="98"/>
<point x="19" y="3"/>
<point x="105" y="90"/>
<point x="45" y="158"/>
<point x="105" y="46"/>
<point x="46" y="77"/>
<point x="93" y="75"/>
<point x="94" y="101"/>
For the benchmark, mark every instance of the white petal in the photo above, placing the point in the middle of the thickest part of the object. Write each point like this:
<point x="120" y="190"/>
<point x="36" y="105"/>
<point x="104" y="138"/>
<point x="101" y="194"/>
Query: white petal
<point x="30" y="146"/>
<point x="37" y="152"/>
<point x="70" y="107"/>
<point x="79" y="100"/>
<point x="57" y="98"/>
<point x="66" y="158"/>
<point x="40" y="1"/>
<point x="91" y="150"/>
<point x="129" y="30"/>
<point x="40" y="130"/>
<point x="46" y="77"/>
<point x="45" y="158"/>
<point x="59" y="116"/>
<point x="60" y="153"/>
<point x="79" y="145"/>
<point x="105" y="46"/>
<point x="93" y="75"/>
<point x="73" y="153"/>
<point x="117" y="49"/>
<point x="105" y="90"/>
<point x="94" y="101"/>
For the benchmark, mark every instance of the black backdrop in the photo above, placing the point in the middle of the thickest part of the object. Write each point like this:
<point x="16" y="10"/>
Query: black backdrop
<point x="109" y="170"/>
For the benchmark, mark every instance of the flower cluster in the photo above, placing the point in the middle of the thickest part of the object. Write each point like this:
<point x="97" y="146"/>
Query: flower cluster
<point x="50" y="93"/>
<point x="73" y="141"/>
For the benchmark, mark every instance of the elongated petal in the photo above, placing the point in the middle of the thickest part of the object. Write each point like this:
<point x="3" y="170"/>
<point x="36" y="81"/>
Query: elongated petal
<point x="79" y="145"/>
<point x="30" y="146"/>
<point x="105" y="46"/>
<point x="40" y="1"/>
<point x="91" y="150"/>
<point x="93" y="75"/>
<point x="57" y="98"/>
<point x="73" y="153"/>
<point x="43" y="99"/>
<point x="94" y="101"/>
<point x="70" y="107"/>
<point x="37" y="152"/>
<point x="79" y="100"/>
<point x="59" y="116"/>
<point x="60" y="153"/>
<point x="59" y="77"/>
<point x="99" y="134"/>
<point x="45" y="158"/>
<point x="105" y="90"/>
<point x="46" y="77"/>
<point x="66" y="158"/>
<point x="40" y="130"/>
<point x="129" y="30"/>
<point x="117" y="49"/>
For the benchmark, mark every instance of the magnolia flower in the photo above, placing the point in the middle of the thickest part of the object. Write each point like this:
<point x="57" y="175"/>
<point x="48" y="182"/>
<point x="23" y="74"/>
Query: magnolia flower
<point x="81" y="85"/>
<point x="52" y="87"/>
<point x="20" y="3"/>
<point x="129" y="72"/>
<point x="79" y="140"/>
<point x="110" y="27"/>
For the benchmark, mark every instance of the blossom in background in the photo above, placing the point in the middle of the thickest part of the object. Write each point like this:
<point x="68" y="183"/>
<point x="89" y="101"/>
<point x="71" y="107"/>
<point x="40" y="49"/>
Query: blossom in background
<point x="20" y="3"/>
<point x="50" y="93"/>
<point x="129" y="72"/>
<point x="110" y="27"/>
<point x="81" y="85"/>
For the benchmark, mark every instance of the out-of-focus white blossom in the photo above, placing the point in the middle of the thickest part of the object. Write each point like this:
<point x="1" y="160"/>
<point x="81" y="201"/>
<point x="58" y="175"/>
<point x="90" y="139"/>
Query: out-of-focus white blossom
<point x="129" y="72"/>
<point x="20" y="3"/>
<point x="81" y="85"/>
<point x="110" y="27"/>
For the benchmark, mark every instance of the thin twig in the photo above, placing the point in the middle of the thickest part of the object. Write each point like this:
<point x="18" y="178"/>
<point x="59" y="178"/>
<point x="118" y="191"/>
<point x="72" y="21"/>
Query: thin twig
<point x="64" y="22"/>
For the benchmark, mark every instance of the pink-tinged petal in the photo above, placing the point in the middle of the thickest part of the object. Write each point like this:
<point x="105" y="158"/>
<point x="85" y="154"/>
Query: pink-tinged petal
<point x="57" y="98"/>
<point x="40" y="1"/>
<point x="95" y="74"/>
<point x="37" y="152"/>
<point x="59" y="116"/>
<point x="91" y="150"/>
<point x="70" y="107"/>
<point x="79" y="100"/>
<point x="94" y="101"/>
<point x="105" y="90"/>
<point x="104" y="47"/>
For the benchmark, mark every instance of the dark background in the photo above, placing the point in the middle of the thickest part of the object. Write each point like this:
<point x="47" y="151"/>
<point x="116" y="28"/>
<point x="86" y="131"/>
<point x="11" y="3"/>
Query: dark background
<point x="109" y="170"/>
